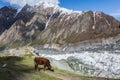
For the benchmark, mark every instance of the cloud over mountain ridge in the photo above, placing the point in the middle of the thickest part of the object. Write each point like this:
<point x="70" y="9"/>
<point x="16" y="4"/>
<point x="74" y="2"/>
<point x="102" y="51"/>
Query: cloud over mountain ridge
<point x="33" y="2"/>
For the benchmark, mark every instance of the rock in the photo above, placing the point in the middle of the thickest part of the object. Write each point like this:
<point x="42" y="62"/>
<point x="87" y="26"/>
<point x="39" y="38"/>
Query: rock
<point x="4" y="65"/>
<point x="7" y="14"/>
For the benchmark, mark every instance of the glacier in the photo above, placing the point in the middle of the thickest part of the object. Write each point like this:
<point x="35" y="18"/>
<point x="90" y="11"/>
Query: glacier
<point x="88" y="63"/>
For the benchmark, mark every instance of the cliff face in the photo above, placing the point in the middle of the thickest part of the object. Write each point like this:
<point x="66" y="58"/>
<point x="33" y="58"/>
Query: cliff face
<point x="59" y="26"/>
<point x="6" y="18"/>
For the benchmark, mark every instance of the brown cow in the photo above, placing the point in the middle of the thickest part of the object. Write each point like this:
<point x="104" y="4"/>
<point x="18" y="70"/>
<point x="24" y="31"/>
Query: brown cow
<point x="42" y="61"/>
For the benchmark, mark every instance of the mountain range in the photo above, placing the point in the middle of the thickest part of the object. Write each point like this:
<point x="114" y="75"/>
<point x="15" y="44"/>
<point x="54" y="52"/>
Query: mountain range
<point x="57" y="27"/>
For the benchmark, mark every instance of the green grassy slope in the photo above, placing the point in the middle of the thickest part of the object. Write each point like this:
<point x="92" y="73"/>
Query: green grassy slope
<point x="19" y="68"/>
<point x="22" y="68"/>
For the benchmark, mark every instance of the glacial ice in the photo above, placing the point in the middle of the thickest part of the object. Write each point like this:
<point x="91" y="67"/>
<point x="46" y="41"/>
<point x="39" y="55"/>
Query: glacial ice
<point x="100" y="64"/>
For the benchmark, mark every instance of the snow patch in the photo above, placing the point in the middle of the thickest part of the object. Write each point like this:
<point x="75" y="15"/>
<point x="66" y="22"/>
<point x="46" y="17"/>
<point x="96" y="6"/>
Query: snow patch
<point x="17" y="12"/>
<point x="98" y="14"/>
<point x="66" y="11"/>
<point x="47" y="23"/>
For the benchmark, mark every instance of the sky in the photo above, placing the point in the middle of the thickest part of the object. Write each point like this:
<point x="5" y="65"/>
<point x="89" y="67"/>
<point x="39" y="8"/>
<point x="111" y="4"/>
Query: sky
<point x="111" y="7"/>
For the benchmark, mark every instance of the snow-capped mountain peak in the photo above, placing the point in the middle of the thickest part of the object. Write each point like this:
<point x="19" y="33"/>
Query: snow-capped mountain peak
<point x="45" y="4"/>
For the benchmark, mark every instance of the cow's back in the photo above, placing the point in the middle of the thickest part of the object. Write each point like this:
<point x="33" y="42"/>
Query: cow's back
<point x="41" y="60"/>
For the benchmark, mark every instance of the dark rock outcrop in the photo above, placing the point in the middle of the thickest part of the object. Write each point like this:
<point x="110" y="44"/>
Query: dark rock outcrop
<point x="7" y="14"/>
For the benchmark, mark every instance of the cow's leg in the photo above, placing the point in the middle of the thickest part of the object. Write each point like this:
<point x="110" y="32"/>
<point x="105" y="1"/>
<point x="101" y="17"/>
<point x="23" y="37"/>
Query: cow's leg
<point x="49" y="66"/>
<point x="44" y="67"/>
<point x="36" y="67"/>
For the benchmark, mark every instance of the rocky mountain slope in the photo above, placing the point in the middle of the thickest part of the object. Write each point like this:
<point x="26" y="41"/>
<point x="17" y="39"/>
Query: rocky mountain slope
<point x="53" y="26"/>
<point x="7" y="14"/>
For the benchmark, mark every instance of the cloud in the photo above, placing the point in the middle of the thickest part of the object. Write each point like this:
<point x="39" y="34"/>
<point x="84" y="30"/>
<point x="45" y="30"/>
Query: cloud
<point x="116" y="13"/>
<point x="32" y="2"/>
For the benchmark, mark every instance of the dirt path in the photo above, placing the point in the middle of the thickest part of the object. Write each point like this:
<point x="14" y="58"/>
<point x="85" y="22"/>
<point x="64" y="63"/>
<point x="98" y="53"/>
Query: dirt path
<point x="68" y="77"/>
<point x="63" y="77"/>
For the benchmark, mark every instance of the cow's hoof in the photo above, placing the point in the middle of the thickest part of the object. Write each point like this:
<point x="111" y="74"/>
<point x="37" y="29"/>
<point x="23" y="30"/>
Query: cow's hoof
<point x="52" y="70"/>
